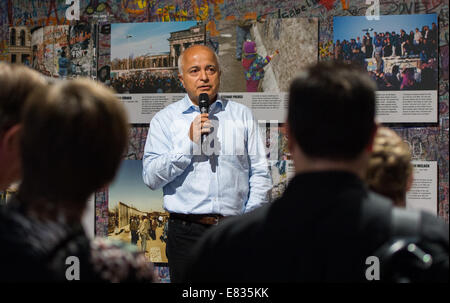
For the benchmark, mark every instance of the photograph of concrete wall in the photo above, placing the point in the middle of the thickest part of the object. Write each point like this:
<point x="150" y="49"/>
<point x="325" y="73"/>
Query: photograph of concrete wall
<point x="64" y="51"/>
<point x="50" y="50"/>
<point x="282" y="172"/>
<point x="136" y="214"/>
<point x="104" y="53"/>
<point x="82" y="48"/>
<point x="264" y="55"/>
<point x="276" y="146"/>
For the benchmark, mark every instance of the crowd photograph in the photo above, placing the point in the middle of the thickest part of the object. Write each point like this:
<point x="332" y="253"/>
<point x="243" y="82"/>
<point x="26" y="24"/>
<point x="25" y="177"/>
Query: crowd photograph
<point x="398" y="52"/>
<point x="141" y="82"/>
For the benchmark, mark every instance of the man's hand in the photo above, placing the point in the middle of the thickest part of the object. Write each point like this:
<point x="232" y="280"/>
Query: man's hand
<point x="200" y="125"/>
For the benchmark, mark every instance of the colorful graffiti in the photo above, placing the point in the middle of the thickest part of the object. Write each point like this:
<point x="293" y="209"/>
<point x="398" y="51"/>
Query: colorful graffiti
<point x="38" y="12"/>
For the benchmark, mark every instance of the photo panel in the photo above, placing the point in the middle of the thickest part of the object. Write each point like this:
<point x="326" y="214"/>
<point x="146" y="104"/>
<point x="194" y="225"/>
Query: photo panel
<point x="258" y="59"/>
<point x="400" y="53"/>
<point x="136" y="214"/>
<point x="144" y="64"/>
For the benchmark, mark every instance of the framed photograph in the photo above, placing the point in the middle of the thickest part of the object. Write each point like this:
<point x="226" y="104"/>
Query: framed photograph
<point x="400" y="53"/>
<point x="136" y="214"/>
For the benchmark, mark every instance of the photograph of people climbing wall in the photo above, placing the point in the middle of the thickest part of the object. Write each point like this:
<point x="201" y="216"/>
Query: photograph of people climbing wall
<point x="400" y="53"/>
<point x="262" y="55"/>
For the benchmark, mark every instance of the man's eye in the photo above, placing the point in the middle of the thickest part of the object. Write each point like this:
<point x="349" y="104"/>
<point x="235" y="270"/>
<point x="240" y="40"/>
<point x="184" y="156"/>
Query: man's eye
<point x="211" y="70"/>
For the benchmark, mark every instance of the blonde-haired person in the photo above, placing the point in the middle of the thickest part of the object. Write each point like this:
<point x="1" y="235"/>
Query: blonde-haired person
<point x="73" y="137"/>
<point x="390" y="171"/>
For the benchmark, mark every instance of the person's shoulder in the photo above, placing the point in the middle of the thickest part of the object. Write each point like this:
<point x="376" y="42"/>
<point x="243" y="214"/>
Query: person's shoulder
<point x="434" y="228"/>
<point x="376" y="206"/>
<point x="378" y="199"/>
<point x="116" y="261"/>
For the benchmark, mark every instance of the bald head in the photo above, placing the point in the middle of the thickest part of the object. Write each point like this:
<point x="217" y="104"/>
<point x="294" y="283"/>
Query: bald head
<point x="194" y="48"/>
<point x="199" y="72"/>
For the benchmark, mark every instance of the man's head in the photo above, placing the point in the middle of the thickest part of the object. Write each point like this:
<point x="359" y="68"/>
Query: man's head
<point x="16" y="83"/>
<point x="199" y="72"/>
<point x="331" y="112"/>
<point x="74" y="136"/>
<point x="390" y="169"/>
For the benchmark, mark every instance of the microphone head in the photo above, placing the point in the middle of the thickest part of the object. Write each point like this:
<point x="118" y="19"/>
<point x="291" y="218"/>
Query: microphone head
<point x="203" y="97"/>
<point x="203" y="100"/>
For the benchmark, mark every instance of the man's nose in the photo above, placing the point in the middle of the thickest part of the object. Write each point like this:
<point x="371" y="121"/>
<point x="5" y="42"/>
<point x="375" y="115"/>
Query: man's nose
<point x="203" y="75"/>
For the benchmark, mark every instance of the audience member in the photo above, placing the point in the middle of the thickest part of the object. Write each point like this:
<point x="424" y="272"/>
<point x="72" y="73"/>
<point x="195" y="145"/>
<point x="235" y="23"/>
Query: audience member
<point x="16" y="83"/>
<point x="327" y="223"/>
<point x="72" y="140"/>
<point x="390" y="172"/>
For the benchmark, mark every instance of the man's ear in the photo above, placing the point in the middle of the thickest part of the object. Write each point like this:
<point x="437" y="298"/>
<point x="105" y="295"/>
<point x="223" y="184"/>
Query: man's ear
<point x="11" y="139"/>
<point x="369" y="147"/>
<point x="180" y="77"/>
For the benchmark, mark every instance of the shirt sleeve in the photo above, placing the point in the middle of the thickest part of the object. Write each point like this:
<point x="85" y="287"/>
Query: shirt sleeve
<point x="260" y="180"/>
<point x="165" y="158"/>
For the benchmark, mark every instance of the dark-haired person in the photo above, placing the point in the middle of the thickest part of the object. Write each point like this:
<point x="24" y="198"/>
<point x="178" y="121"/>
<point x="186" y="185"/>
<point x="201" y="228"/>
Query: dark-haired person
<point x="72" y="139"/>
<point x="327" y="223"/>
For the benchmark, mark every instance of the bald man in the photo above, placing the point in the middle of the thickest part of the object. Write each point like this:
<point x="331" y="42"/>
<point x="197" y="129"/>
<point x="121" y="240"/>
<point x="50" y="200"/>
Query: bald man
<point x="203" y="183"/>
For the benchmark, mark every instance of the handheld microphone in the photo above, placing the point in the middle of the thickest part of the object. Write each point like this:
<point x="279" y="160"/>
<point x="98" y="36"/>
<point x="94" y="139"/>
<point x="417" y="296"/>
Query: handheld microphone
<point x="203" y="104"/>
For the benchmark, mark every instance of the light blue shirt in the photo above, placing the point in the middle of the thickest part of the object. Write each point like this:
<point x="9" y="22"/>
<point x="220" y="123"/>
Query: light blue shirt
<point x="231" y="177"/>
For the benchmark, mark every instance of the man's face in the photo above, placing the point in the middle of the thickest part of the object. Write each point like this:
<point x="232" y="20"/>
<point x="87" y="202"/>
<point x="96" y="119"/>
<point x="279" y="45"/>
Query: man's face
<point x="201" y="73"/>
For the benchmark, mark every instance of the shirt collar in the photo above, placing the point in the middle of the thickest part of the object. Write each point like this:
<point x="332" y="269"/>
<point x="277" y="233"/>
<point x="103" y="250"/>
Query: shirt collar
<point x="188" y="106"/>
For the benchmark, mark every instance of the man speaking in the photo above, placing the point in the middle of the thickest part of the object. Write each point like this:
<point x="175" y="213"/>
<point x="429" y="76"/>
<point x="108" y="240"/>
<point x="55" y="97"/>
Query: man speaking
<point x="204" y="180"/>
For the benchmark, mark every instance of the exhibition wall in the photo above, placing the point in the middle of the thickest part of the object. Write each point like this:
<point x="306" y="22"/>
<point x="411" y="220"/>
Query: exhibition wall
<point x="114" y="41"/>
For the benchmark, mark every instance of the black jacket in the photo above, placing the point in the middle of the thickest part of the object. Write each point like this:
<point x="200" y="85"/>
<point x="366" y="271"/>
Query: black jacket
<point x="322" y="229"/>
<point x="38" y="251"/>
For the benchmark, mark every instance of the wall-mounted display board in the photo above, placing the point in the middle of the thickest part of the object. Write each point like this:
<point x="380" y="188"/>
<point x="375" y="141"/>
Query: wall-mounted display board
<point x="135" y="213"/>
<point x="257" y="59"/>
<point x="424" y="191"/>
<point x="274" y="25"/>
<point x="400" y="53"/>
